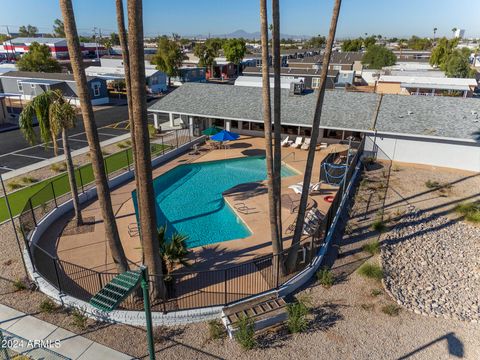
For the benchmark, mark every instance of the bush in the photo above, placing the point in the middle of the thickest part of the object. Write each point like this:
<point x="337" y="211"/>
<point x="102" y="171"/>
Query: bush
<point x="151" y="130"/>
<point x="79" y="318"/>
<point x="216" y="330"/>
<point x="297" y="317"/>
<point x="372" y="247"/>
<point x="29" y="180"/>
<point x="47" y="306"/>
<point x="432" y="184"/>
<point x="245" y="334"/>
<point x="14" y="185"/>
<point x="367" y="306"/>
<point x="325" y="277"/>
<point x="379" y="225"/>
<point x="391" y="309"/>
<point x="471" y="211"/>
<point x="122" y="145"/>
<point x="376" y="292"/>
<point x="371" y="271"/>
<point x="58" y="167"/>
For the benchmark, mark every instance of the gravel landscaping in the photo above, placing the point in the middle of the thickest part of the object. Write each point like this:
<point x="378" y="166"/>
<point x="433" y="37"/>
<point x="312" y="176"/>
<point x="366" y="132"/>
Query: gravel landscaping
<point x="432" y="266"/>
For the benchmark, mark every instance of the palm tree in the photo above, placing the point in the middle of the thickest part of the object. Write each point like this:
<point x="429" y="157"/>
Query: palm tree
<point x="434" y="33"/>
<point x="453" y="32"/>
<point x="277" y="151"/>
<point x="173" y="251"/>
<point x="267" y="120"/>
<point x="103" y="191"/>
<point x="145" y="193"/>
<point x="55" y="115"/>
<point x="293" y="252"/>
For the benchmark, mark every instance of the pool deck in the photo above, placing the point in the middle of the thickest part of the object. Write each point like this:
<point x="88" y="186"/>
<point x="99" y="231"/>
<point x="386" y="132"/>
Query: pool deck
<point x="91" y="250"/>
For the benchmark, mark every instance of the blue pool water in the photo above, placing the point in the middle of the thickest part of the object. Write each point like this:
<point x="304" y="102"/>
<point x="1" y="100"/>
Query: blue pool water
<point x="189" y="198"/>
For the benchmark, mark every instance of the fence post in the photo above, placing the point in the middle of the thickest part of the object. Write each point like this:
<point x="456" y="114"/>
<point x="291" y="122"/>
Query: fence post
<point x="176" y="137"/>
<point x="278" y="268"/>
<point x="128" y="159"/>
<point x="54" y="196"/>
<point x="31" y="210"/>
<point x="56" y="273"/>
<point x="225" y="285"/>
<point x="100" y="281"/>
<point x="81" y="179"/>
<point x="163" y="147"/>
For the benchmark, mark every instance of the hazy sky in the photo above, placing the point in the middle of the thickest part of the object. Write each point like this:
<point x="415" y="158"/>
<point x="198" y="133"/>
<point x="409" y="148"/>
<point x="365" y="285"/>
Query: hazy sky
<point x="298" y="17"/>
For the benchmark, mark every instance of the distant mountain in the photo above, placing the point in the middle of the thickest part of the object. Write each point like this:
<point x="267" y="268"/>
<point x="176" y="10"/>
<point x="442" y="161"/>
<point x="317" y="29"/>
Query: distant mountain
<point x="250" y="36"/>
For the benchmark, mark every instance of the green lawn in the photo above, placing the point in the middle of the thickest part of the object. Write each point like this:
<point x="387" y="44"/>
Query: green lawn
<point x="60" y="185"/>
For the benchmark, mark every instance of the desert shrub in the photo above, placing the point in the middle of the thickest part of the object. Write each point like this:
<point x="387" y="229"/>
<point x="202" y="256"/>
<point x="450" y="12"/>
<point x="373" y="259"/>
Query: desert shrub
<point x="325" y="277"/>
<point x="58" y="167"/>
<point x="367" y="306"/>
<point x="79" y="318"/>
<point x="29" y="180"/>
<point x="19" y="284"/>
<point x="376" y="292"/>
<point x="431" y="184"/>
<point x="47" y="306"/>
<point x="297" y="317"/>
<point x="245" y="334"/>
<point x="371" y="271"/>
<point x="391" y="309"/>
<point x="216" y="330"/>
<point x="14" y="185"/>
<point x="471" y="211"/>
<point x="372" y="247"/>
<point x="379" y="225"/>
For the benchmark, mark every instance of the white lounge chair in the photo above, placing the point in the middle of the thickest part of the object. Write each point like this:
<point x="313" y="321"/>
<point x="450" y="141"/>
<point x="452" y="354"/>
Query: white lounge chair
<point x="297" y="143"/>
<point x="297" y="188"/>
<point x="306" y="144"/>
<point x="323" y="146"/>
<point x="286" y="142"/>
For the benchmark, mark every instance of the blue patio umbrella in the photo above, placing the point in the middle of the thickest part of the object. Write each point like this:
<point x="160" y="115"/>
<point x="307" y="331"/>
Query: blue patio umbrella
<point x="225" y="135"/>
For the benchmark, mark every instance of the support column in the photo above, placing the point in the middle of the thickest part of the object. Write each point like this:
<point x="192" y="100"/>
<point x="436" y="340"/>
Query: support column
<point x="190" y="125"/>
<point x="240" y="125"/>
<point x="155" y="121"/>
<point x="170" y="117"/>
<point x="228" y="124"/>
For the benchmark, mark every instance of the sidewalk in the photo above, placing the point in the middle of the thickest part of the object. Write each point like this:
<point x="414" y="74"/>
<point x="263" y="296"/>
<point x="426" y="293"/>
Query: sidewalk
<point x="72" y="346"/>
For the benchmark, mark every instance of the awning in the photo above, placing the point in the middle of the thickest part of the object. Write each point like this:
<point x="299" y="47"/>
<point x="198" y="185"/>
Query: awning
<point x="41" y="81"/>
<point x="436" y="86"/>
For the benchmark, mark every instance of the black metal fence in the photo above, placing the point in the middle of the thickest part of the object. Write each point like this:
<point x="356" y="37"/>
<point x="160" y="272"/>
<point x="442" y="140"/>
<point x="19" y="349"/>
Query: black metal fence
<point x="183" y="290"/>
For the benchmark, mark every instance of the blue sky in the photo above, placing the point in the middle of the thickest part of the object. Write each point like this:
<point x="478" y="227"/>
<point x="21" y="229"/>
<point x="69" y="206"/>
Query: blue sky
<point x="186" y="17"/>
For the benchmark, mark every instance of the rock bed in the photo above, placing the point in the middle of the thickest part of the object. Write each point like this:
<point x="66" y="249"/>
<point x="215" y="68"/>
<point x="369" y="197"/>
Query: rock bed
<point x="432" y="266"/>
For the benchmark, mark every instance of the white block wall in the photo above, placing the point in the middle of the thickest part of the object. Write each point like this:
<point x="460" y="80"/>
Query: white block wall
<point x="436" y="152"/>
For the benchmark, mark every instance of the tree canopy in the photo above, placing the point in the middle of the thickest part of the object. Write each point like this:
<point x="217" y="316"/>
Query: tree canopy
<point x="58" y="28"/>
<point x="457" y="65"/>
<point x="169" y="56"/>
<point x="316" y="42"/>
<point x="234" y="50"/>
<point x="378" y="56"/>
<point x="38" y="58"/>
<point x="27" y="31"/>
<point x="205" y="54"/>
<point x="417" y="43"/>
<point x="455" y="62"/>
<point x="442" y="51"/>
<point x="352" y="44"/>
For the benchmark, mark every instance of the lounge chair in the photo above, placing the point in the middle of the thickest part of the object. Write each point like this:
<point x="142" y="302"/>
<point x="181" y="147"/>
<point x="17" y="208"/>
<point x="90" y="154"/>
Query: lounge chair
<point x="313" y="188"/>
<point x="306" y="144"/>
<point x="313" y="220"/>
<point x="286" y="142"/>
<point x="297" y="143"/>
<point x="323" y="146"/>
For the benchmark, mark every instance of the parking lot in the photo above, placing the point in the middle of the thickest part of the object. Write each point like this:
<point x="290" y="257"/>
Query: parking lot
<point x="16" y="152"/>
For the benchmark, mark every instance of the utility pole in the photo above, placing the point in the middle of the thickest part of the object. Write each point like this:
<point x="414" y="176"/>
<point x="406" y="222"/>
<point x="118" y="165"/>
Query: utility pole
<point x="96" y="42"/>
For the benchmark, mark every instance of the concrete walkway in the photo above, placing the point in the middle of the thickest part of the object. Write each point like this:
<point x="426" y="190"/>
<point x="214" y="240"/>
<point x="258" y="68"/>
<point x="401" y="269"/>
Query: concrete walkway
<point x="71" y="345"/>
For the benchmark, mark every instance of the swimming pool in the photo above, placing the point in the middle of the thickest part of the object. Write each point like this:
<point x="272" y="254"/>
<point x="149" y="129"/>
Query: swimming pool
<point x="189" y="198"/>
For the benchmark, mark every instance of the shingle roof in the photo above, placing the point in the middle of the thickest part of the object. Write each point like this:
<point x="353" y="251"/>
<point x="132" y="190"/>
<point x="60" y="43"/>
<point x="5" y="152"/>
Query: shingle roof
<point x="42" y="75"/>
<point x="413" y="115"/>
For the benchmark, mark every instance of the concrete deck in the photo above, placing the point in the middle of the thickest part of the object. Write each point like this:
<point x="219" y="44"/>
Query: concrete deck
<point x="91" y="250"/>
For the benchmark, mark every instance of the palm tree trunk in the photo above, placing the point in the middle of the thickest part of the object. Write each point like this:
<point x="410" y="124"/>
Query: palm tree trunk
<point x="103" y="191"/>
<point x="122" y="35"/>
<point x="71" y="178"/>
<point x="267" y="120"/>
<point x="277" y="151"/>
<point x="293" y="252"/>
<point x="145" y="193"/>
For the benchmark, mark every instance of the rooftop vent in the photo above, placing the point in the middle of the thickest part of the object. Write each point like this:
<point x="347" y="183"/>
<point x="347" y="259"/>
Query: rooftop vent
<point x="410" y="112"/>
<point x="474" y="112"/>
<point x="297" y="88"/>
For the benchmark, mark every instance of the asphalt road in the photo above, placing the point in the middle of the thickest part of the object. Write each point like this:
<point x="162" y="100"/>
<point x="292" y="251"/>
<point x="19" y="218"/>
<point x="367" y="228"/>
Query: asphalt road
<point x="16" y="152"/>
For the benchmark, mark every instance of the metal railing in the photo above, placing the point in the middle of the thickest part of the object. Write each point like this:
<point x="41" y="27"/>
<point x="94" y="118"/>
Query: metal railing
<point x="183" y="289"/>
